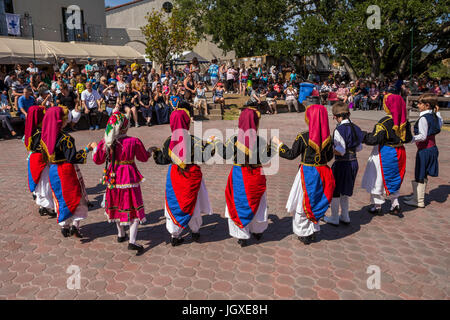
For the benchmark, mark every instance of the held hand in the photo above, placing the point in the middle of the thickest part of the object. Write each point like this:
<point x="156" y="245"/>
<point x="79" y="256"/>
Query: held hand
<point x="276" y="140"/>
<point x="86" y="110"/>
<point x="91" y="146"/>
<point x="150" y="151"/>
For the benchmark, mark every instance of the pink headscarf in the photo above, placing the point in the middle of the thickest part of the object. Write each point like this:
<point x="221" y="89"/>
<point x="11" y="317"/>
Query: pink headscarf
<point x="316" y="116"/>
<point x="51" y="127"/>
<point x="35" y="116"/>
<point x="395" y="106"/>
<point x="180" y="122"/>
<point x="248" y="127"/>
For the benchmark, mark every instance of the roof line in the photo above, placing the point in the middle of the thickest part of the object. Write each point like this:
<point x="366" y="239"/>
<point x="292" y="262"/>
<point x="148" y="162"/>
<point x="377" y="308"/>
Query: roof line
<point x="123" y="5"/>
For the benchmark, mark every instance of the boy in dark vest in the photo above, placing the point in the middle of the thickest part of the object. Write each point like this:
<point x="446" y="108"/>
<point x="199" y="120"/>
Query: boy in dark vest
<point x="347" y="140"/>
<point x="425" y="131"/>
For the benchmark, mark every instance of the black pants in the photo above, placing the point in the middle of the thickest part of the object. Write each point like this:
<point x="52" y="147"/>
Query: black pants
<point x="6" y="122"/>
<point x="94" y="117"/>
<point x="230" y="85"/>
<point x="147" y="112"/>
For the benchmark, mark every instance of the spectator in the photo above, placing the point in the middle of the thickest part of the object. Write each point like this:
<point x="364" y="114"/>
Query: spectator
<point x="45" y="98"/>
<point x="343" y="92"/>
<point x="162" y="109"/>
<point x="5" y="116"/>
<point x="32" y="69"/>
<point x="213" y="71"/>
<point x="291" y="98"/>
<point x="88" y="67"/>
<point x="91" y="101"/>
<point x="218" y="96"/>
<point x="374" y="97"/>
<point x="64" y="66"/>
<point x="136" y="83"/>
<point x="18" y="88"/>
<point x="271" y="98"/>
<point x="70" y="100"/>
<point x="129" y="99"/>
<point x="118" y="65"/>
<point x="111" y="98"/>
<point x="243" y="77"/>
<point x="194" y="69"/>
<point x="189" y="85"/>
<point x="231" y="74"/>
<point x="200" y="98"/>
<point x="145" y="102"/>
<point x="135" y="66"/>
<point x="25" y="102"/>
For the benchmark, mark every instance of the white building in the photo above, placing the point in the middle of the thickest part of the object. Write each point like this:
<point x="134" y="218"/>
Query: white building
<point x="124" y="23"/>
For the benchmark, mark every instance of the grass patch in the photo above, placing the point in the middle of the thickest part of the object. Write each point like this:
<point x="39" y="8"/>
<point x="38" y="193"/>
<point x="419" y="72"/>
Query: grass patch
<point x="231" y="112"/>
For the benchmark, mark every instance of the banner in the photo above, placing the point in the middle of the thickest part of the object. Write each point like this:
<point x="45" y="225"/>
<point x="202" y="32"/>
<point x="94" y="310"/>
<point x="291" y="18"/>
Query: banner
<point x="13" y="23"/>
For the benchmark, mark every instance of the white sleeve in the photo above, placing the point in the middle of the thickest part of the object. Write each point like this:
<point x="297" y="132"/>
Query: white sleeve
<point x="423" y="130"/>
<point x="339" y="143"/>
<point x="441" y="122"/>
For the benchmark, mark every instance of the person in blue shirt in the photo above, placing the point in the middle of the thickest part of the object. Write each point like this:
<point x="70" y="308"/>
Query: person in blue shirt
<point x="63" y="67"/>
<point x="88" y="67"/>
<point x="214" y="72"/>
<point x="25" y="102"/>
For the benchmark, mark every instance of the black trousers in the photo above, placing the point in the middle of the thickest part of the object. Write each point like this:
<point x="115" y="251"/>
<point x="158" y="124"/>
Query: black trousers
<point x="94" y="117"/>
<point x="6" y="122"/>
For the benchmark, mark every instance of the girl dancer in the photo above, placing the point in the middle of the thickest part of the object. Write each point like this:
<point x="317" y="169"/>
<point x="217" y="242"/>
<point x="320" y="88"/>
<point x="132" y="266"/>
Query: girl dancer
<point x="66" y="181"/>
<point x="245" y="193"/>
<point x="425" y="131"/>
<point x="124" y="204"/>
<point x="314" y="184"/>
<point x="38" y="181"/>
<point x="386" y="165"/>
<point x="186" y="194"/>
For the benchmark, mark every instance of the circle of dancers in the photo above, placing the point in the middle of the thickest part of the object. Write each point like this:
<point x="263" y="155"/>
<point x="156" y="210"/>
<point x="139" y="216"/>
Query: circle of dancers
<point x="57" y="185"/>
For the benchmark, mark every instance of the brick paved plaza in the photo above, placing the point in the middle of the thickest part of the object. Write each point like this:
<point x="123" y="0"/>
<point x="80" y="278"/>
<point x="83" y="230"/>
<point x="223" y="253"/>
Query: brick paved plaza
<point x="412" y="252"/>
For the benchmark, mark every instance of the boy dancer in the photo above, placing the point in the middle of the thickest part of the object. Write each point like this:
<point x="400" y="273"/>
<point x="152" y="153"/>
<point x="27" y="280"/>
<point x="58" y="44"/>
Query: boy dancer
<point x="425" y="131"/>
<point x="347" y="140"/>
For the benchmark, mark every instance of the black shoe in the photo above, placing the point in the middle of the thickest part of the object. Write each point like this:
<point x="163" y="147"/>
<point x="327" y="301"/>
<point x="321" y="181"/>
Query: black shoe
<point x="34" y="197"/>
<point x="75" y="231"/>
<point x="242" y="242"/>
<point x="51" y="213"/>
<point x="137" y="247"/>
<point x="195" y="237"/>
<point x="122" y="239"/>
<point x="257" y="236"/>
<point x="90" y="205"/>
<point x="374" y="211"/>
<point x="176" y="241"/>
<point x="396" y="211"/>
<point x="65" y="232"/>
<point x="42" y="211"/>
<point x="306" y="240"/>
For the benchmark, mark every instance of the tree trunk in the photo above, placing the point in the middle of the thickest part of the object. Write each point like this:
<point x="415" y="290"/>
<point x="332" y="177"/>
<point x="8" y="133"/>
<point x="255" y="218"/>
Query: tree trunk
<point x="348" y="65"/>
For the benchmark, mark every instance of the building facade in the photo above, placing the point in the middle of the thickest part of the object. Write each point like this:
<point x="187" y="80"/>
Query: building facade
<point x="124" y="23"/>
<point x="48" y="19"/>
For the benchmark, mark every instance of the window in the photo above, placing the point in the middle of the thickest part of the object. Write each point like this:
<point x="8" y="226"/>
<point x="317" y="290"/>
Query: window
<point x="8" y="6"/>
<point x="72" y="34"/>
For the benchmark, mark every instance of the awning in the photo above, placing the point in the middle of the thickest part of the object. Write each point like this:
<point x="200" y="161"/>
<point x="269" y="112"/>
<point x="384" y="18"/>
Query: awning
<point x="19" y="50"/>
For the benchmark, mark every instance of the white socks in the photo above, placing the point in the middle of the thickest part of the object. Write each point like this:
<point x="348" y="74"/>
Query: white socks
<point x="344" y="208"/>
<point x="120" y="230"/>
<point x="133" y="231"/>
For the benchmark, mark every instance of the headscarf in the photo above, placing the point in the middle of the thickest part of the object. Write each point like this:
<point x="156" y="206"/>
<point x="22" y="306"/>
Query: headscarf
<point x="316" y="116"/>
<point x="248" y="126"/>
<point x="115" y="128"/>
<point x="180" y="121"/>
<point x="34" y="121"/>
<point x="395" y="106"/>
<point x="51" y="127"/>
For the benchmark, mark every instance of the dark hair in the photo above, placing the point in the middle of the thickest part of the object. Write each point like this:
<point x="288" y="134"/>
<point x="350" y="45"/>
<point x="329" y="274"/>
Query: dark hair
<point x="430" y="99"/>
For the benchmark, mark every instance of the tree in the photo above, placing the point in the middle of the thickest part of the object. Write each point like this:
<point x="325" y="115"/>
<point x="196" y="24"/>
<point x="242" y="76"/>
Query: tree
<point x="167" y="35"/>
<point x="338" y="27"/>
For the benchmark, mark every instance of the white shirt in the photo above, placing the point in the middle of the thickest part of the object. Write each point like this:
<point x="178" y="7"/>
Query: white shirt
<point x="90" y="98"/>
<point x="339" y="142"/>
<point x="423" y="126"/>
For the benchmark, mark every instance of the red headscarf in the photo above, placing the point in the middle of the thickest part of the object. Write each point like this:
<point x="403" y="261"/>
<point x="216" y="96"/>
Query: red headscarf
<point x="34" y="121"/>
<point x="51" y="126"/>
<point x="395" y="106"/>
<point x="248" y="127"/>
<point x="180" y="122"/>
<point x="316" y="116"/>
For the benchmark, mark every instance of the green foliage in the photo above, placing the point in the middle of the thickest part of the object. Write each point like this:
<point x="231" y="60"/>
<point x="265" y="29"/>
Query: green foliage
<point x="287" y="27"/>
<point x="167" y="35"/>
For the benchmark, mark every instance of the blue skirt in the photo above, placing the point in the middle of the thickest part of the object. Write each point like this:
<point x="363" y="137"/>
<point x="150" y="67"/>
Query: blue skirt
<point x="162" y="111"/>
<point x="427" y="163"/>
<point x="345" y="175"/>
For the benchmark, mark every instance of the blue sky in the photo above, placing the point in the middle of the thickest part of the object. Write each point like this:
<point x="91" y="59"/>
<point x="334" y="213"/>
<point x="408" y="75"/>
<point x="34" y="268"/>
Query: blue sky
<point x="113" y="3"/>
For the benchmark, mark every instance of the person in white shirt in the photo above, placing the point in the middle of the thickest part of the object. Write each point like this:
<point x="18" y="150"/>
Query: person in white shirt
<point x="291" y="98"/>
<point x="32" y="69"/>
<point x="427" y="164"/>
<point x="91" y="101"/>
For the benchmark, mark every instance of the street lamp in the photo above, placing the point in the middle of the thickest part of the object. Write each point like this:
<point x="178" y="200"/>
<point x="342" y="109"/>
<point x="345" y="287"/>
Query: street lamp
<point x="167" y="7"/>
